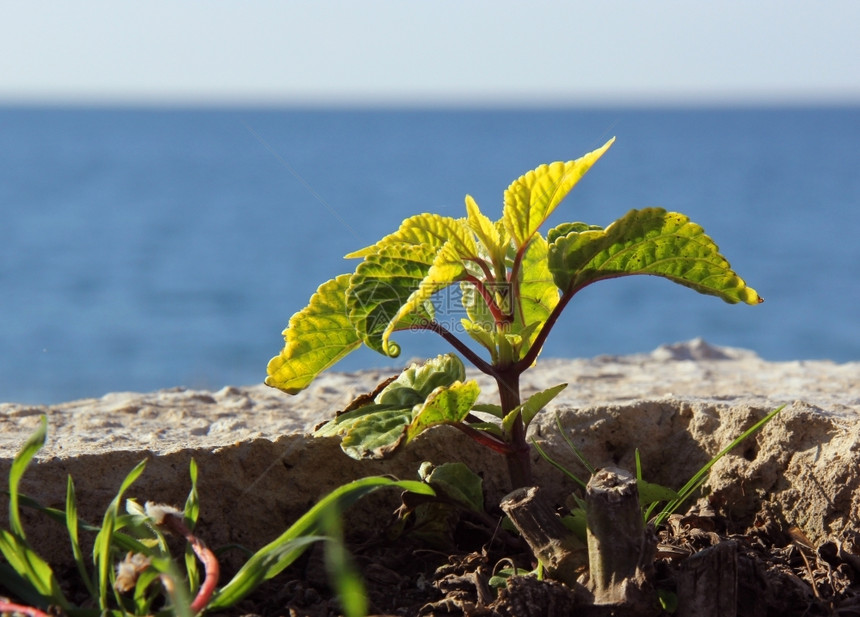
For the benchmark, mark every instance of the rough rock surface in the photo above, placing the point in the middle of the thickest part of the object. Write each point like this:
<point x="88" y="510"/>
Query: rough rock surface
<point x="259" y="470"/>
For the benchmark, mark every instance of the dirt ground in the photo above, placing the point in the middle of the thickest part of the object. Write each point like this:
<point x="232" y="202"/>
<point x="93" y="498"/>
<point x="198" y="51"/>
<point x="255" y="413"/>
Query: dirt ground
<point x="779" y="573"/>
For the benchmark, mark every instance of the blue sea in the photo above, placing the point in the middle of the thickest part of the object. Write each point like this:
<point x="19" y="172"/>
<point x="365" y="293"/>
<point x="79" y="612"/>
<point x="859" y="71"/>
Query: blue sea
<point x="150" y="248"/>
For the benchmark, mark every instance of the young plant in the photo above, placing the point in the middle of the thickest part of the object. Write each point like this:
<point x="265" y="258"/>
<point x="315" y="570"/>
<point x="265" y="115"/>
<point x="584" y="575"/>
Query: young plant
<point x="513" y="283"/>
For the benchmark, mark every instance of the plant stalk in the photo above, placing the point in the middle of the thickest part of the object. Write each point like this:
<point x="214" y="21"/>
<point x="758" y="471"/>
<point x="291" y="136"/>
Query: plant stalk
<point x="519" y="462"/>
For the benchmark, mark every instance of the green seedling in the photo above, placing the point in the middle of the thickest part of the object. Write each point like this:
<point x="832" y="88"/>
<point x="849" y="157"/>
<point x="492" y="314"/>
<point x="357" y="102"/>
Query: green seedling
<point x="513" y="284"/>
<point x="132" y="570"/>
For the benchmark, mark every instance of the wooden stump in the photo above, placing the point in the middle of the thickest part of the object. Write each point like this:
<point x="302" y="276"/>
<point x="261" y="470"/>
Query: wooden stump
<point x="563" y="555"/>
<point x="708" y="582"/>
<point x="620" y="549"/>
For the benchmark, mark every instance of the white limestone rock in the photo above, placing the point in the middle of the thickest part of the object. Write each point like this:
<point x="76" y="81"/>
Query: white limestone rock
<point x="259" y="469"/>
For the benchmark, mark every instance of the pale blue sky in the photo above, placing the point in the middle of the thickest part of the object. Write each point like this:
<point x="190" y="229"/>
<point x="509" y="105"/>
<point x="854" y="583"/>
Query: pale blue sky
<point x="403" y="52"/>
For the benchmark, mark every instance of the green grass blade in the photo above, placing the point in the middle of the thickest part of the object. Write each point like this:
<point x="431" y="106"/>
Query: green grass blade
<point x="341" y="569"/>
<point x="10" y="580"/>
<point x="57" y="515"/>
<point x="280" y="553"/>
<point x="13" y="544"/>
<point x="572" y="446"/>
<point x="32" y="568"/>
<point x="19" y="465"/>
<point x="192" y="511"/>
<point x="699" y="478"/>
<point x="72" y="526"/>
<point x="103" y="541"/>
<point x="178" y="593"/>
<point x="556" y="464"/>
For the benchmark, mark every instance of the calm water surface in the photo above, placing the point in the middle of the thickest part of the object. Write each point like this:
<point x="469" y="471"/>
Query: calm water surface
<point x="142" y="249"/>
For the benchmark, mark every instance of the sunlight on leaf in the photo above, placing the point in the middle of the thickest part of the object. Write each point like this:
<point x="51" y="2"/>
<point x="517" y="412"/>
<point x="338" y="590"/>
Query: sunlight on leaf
<point x="530" y="199"/>
<point x="648" y="241"/>
<point x="446" y="270"/>
<point x="381" y="285"/>
<point x="538" y="293"/>
<point x="431" y="230"/>
<point x="494" y="237"/>
<point x="317" y="336"/>
<point x="446" y="405"/>
<point x="422" y="396"/>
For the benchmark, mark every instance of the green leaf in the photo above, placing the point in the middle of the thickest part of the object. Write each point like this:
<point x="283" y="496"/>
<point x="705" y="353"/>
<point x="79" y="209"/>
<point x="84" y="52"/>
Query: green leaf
<point x="420" y="380"/>
<point x="648" y="241"/>
<point x="531" y="407"/>
<point x="191" y="512"/>
<point x="446" y="405"/>
<point x="317" y="337"/>
<point x="481" y="333"/>
<point x="565" y="228"/>
<point x="72" y="527"/>
<point x="457" y="482"/>
<point x="652" y="493"/>
<point x="34" y="443"/>
<point x="576" y="522"/>
<point x="530" y="199"/>
<point x="538" y="293"/>
<point x="31" y="567"/>
<point x="489" y="408"/>
<point x="273" y="558"/>
<point x="447" y="269"/>
<point x="429" y="230"/>
<point x="494" y="237"/>
<point x="341" y="568"/>
<point x="381" y="285"/>
<point x="378" y="434"/>
<point x="422" y="396"/>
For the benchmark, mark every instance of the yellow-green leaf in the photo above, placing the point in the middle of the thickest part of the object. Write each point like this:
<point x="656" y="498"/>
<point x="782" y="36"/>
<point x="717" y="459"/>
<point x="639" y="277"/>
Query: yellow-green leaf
<point x="648" y="241"/>
<point x="431" y="230"/>
<point x="530" y="199"/>
<point x="538" y="293"/>
<point x="317" y="336"/>
<point x="447" y="269"/>
<point x="423" y="395"/>
<point x="494" y="238"/>
<point x="381" y="285"/>
<point x="377" y="435"/>
<point x="445" y="405"/>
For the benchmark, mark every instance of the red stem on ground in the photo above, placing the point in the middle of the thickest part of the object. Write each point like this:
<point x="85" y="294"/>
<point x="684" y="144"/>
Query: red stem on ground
<point x="8" y="608"/>
<point x="207" y="558"/>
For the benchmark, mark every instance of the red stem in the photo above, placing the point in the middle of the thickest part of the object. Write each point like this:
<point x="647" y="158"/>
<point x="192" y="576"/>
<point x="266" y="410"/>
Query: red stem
<point x="540" y="339"/>
<point x="489" y="300"/>
<point x="514" y="275"/>
<point x="484" y="267"/>
<point x="8" y="608"/>
<point x="485" y="439"/>
<point x="207" y="557"/>
<point x="471" y="356"/>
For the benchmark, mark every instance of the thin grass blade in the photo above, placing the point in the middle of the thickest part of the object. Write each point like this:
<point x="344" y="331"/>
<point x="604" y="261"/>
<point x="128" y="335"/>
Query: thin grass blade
<point x="72" y="527"/>
<point x="277" y="555"/>
<point x="699" y="478"/>
<point x="19" y="465"/>
<point x="104" y="539"/>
